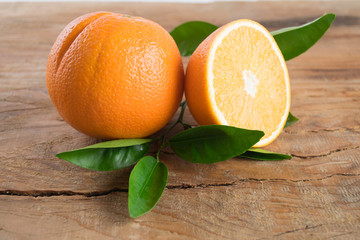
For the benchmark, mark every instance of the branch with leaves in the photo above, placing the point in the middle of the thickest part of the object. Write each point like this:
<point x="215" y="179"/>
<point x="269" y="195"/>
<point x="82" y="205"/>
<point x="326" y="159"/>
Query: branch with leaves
<point x="203" y="144"/>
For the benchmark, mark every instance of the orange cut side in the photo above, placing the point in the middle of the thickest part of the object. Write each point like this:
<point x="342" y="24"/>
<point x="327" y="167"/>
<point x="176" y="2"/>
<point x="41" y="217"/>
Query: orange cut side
<point x="238" y="77"/>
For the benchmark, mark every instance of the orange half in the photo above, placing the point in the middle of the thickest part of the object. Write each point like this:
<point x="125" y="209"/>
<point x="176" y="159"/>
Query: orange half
<point x="238" y="77"/>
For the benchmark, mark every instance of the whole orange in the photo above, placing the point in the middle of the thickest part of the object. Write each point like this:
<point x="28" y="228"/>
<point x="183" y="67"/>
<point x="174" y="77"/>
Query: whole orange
<point x="115" y="76"/>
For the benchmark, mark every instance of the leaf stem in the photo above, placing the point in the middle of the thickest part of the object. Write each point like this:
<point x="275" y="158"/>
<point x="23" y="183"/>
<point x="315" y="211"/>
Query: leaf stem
<point x="179" y="120"/>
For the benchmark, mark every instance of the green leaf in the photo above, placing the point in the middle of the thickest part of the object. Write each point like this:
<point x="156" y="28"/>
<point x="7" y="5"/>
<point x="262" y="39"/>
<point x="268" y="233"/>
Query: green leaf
<point x="146" y="185"/>
<point x="190" y="34"/>
<point x="294" y="41"/>
<point x="261" y="154"/>
<point x="213" y="143"/>
<point x="109" y="155"/>
<point x="291" y="120"/>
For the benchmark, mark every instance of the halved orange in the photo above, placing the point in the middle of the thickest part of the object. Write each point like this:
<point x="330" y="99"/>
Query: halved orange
<point x="238" y="77"/>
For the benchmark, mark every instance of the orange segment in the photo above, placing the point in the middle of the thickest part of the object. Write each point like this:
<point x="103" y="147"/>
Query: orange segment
<point x="246" y="80"/>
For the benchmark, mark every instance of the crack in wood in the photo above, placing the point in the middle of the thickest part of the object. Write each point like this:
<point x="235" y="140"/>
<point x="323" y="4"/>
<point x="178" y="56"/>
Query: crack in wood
<point x="355" y="129"/>
<point x="50" y="193"/>
<point x="299" y="229"/>
<point x="329" y="176"/>
<point x="296" y="181"/>
<point x="201" y="185"/>
<point x="325" y="154"/>
<point x="295" y="155"/>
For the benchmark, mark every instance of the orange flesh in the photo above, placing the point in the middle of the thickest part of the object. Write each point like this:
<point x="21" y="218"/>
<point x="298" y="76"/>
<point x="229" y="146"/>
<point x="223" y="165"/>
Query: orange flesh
<point x="253" y="53"/>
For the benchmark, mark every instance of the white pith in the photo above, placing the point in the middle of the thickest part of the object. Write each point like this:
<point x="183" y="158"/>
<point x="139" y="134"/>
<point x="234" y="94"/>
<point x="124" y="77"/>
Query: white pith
<point x="250" y="82"/>
<point x="210" y="76"/>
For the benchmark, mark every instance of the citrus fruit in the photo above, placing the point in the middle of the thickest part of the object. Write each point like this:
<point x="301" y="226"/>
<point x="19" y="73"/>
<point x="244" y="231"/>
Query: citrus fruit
<point x="115" y="76"/>
<point x="237" y="76"/>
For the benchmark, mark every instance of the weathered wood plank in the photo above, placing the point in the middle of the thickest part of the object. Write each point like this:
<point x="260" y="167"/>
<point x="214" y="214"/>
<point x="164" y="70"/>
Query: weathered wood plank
<point x="315" y="195"/>
<point x="251" y="209"/>
<point x="339" y="153"/>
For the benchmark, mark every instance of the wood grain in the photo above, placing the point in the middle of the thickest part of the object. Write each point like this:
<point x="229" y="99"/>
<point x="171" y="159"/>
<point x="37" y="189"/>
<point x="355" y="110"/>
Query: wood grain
<point x="315" y="195"/>
<point x="278" y="209"/>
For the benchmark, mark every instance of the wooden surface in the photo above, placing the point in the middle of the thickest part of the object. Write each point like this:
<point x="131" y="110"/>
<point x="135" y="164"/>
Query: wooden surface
<point x="316" y="195"/>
